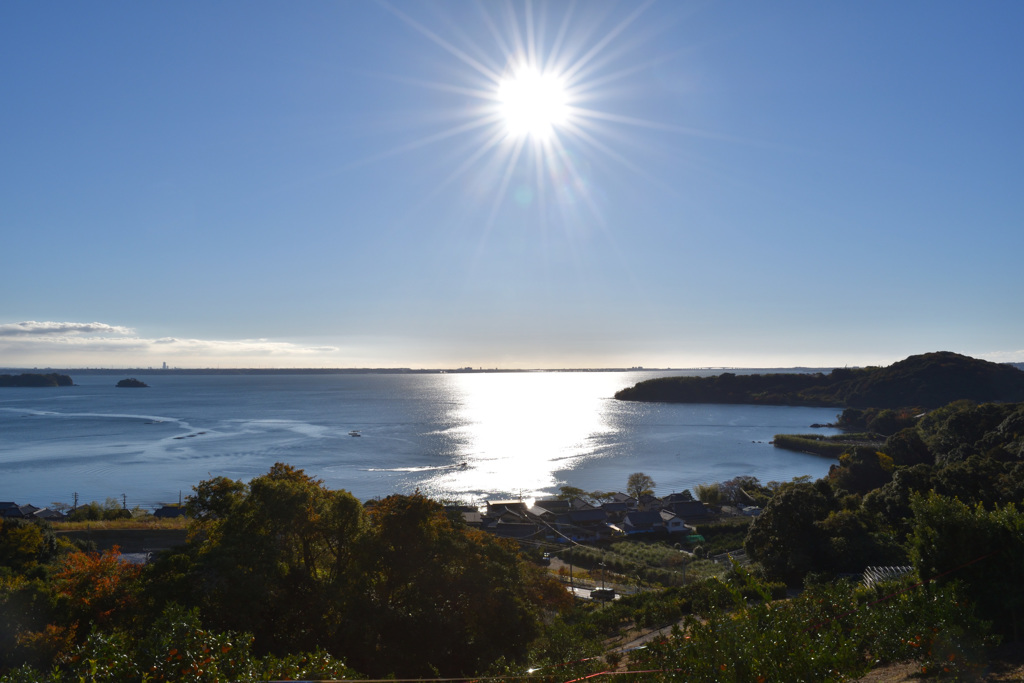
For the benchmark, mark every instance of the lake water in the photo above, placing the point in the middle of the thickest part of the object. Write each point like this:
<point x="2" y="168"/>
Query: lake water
<point x="462" y="437"/>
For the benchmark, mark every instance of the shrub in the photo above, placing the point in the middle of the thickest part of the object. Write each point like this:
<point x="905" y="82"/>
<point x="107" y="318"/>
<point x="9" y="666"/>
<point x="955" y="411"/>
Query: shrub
<point x="828" y="633"/>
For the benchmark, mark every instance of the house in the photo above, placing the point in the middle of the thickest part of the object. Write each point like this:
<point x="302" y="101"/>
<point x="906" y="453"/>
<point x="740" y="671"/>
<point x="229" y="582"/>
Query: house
<point x="49" y="515"/>
<point x="169" y="511"/>
<point x="642" y="522"/>
<point x="749" y="510"/>
<point x="629" y="501"/>
<point x="615" y="510"/>
<point x="582" y="525"/>
<point x="511" y="517"/>
<point x="541" y="513"/>
<point x="592" y="517"/>
<point x="555" y="505"/>
<point x="690" y="510"/>
<point x="648" y="502"/>
<point x="9" y="509"/>
<point x="590" y="523"/>
<point x="519" y="530"/>
<point x="674" y="524"/>
<point x="470" y="515"/>
<point x="578" y="503"/>
<point x="495" y="508"/>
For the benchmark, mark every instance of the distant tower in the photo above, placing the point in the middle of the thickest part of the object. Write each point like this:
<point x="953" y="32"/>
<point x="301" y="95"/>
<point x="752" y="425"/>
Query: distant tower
<point x="165" y="365"/>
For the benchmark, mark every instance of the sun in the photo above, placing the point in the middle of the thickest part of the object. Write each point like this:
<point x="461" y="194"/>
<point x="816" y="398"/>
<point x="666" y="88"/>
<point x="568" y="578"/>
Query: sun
<point x="533" y="109"/>
<point x="532" y="103"/>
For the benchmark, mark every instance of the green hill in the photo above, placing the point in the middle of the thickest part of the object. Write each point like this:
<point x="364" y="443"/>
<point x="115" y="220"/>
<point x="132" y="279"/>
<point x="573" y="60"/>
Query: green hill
<point x="928" y="380"/>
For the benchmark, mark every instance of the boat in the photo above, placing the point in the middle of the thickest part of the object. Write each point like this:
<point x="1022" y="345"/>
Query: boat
<point x="354" y="432"/>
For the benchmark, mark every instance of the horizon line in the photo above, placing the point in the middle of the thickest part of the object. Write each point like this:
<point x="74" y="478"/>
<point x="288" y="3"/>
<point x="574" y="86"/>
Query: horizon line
<point x="398" y="369"/>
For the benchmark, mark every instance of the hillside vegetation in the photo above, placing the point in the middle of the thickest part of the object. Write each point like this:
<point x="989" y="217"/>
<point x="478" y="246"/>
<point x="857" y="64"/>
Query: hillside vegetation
<point x="29" y="379"/>
<point x="928" y="380"/>
<point x="281" y="578"/>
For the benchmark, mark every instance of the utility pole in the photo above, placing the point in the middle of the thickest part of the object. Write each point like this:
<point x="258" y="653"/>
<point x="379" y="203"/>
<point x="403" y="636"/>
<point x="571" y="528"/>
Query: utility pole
<point x="124" y="501"/>
<point x="75" y="507"/>
<point x="572" y="588"/>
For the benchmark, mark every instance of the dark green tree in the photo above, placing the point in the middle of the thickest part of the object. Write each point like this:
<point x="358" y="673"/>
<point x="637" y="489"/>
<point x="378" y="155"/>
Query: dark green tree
<point x="273" y="557"/>
<point x="981" y="549"/>
<point x="400" y="587"/>
<point x="958" y="430"/>
<point x="467" y="596"/>
<point x="891" y="502"/>
<point x="974" y="480"/>
<point x="786" y="538"/>
<point x="24" y="545"/>
<point x="907" y="448"/>
<point x="862" y="470"/>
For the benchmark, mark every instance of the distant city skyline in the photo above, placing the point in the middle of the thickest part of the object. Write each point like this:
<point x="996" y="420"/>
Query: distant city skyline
<point x="510" y="185"/>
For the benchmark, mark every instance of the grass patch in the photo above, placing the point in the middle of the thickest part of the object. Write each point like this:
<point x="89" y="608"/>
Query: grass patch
<point x="827" y="446"/>
<point x="724" y="535"/>
<point x="652" y="563"/>
<point x="121" y="524"/>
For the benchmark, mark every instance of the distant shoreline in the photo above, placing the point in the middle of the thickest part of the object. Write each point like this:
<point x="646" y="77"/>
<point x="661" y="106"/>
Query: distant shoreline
<point x="409" y="371"/>
<point x="383" y="371"/>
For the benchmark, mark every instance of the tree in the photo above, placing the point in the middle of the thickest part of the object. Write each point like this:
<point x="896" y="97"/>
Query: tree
<point x="891" y="502"/>
<point x="570" y="492"/>
<point x="90" y="591"/>
<point x="400" y="587"/>
<point x="177" y="646"/>
<point x="974" y="480"/>
<point x="468" y="596"/>
<point x="710" y="494"/>
<point x="850" y="544"/>
<point x="786" y="538"/>
<point x="982" y="549"/>
<point x="744" y="490"/>
<point x="639" y="484"/>
<point x="25" y="544"/>
<point x="958" y="430"/>
<point x="906" y="447"/>
<point x="284" y="538"/>
<point x="862" y="470"/>
<point x="98" y="588"/>
<point x="110" y="509"/>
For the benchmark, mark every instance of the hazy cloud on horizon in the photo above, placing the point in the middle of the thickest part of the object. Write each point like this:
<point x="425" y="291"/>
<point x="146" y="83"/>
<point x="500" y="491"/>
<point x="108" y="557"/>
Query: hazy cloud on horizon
<point x="32" y="327"/>
<point x="50" y="343"/>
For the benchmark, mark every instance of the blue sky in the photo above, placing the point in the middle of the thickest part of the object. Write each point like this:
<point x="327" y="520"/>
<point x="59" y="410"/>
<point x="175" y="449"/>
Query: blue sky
<point x="335" y="184"/>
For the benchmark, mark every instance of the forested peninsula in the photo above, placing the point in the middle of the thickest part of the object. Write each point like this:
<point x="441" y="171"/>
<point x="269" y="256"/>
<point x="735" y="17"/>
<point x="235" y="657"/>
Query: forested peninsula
<point x="928" y="381"/>
<point x="28" y="379"/>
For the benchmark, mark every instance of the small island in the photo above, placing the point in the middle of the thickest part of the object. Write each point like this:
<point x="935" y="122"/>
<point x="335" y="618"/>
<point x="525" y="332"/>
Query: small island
<point x="132" y="383"/>
<point x="29" y="379"/>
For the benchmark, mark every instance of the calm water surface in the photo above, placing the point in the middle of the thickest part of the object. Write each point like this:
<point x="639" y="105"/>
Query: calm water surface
<point x="454" y="436"/>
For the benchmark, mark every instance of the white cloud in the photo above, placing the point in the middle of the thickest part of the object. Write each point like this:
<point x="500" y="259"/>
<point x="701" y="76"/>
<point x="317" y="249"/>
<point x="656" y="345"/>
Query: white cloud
<point x="64" y="344"/>
<point x="234" y="347"/>
<point x="32" y="327"/>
